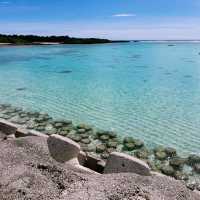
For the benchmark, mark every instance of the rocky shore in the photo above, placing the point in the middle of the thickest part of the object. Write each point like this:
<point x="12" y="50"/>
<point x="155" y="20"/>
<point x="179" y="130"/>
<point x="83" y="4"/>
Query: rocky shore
<point x="100" y="143"/>
<point x="28" y="171"/>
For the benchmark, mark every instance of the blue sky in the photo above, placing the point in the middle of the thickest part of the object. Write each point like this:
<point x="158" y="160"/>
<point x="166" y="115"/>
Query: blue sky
<point x="114" y="19"/>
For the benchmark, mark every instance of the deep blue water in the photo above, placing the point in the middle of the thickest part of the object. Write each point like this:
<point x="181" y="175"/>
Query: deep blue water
<point x="147" y="90"/>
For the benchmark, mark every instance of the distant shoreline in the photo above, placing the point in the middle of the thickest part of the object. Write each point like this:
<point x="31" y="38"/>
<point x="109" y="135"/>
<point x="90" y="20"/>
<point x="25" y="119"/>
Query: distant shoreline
<point x="50" y="40"/>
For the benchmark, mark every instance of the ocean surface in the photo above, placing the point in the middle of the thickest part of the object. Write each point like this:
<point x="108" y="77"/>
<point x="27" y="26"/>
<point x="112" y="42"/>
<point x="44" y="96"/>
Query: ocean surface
<point x="147" y="90"/>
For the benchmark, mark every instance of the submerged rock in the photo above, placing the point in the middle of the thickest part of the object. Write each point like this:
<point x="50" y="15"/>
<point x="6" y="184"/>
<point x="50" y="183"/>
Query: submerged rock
<point x="160" y="155"/>
<point x="112" y="144"/>
<point x="171" y="152"/>
<point x="142" y="153"/>
<point x="177" y="162"/>
<point x="168" y="170"/>
<point x="193" y="159"/>
<point x="197" y="168"/>
<point x="100" y="148"/>
<point x="128" y="140"/>
<point x="104" y="138"/>
<point x="129" y="146"/>
<point x="181" y="176"/>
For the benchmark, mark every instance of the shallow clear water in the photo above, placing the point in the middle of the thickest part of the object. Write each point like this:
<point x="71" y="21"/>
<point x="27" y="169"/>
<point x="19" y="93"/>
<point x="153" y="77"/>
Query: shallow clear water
<point x="147" y="90"/>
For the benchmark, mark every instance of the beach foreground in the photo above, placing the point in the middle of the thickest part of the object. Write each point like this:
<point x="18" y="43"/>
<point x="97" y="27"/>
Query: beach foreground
<point x="98" y="145"/>
<point x="29" y="172"/>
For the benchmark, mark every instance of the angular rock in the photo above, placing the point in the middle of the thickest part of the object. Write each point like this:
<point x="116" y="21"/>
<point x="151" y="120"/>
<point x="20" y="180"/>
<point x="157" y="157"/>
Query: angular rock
<point x="82" y="157"/>
<point x="62" y="149"/>
<point x="7" y="127"/>
<point x="122" y="163"/>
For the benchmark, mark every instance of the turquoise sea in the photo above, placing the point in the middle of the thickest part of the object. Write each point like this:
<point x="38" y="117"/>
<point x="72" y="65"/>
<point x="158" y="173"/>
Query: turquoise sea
<point x="148" y="90"/>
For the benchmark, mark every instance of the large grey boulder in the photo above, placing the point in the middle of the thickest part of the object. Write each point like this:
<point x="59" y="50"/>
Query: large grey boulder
<point x="122" y="163"/>
<point x="62" y="149"/>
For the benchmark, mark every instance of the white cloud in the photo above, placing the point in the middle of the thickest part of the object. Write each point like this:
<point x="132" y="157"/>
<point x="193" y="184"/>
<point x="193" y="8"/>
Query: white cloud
<point x="124" y="15"/>
<point x="4" y="2"/>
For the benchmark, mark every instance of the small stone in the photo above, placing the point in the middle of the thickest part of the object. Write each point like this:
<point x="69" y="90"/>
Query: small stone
<point x="110" y="150"/>
<point x="167" y="170"/>
<point x="193" y="159"/>
<point x="66" y="129"/>
<point x="191" y="186"/>
<point x="66" y="122"/>
<point x="84" y="126"/>
<point x="84" y="136"/>
<point x="112" y="144"/>
<point x="87" y="148"/>
<point x="159" y="149"/>
<point x="160" y="155"/>
<point x="49" y="127"/>
<point x="31" y="126"/>
<point x="63" y="133"/>
<point x="81" y="131"/>
<point x="52" y="131"/>
<point x="128" y="140"/>
<point x="171" y="152"/>
<point x="197" y="168"/>
<point x="39" y="120"/>
<point x="58" y="125"/>
<point x="129" y="146"/>
<point x="100" y="148"/>
<point x="99" y="133"/>
<point x="40" y="128"/>
<point x="112" y="134"/>
<point x="76" y="138"/>
<point x="181" y="176"/>
<point x="86" y="141"/>
<point x="177" y="162"/>
<point x="138" y="144"/>
<point x="104" y="156"/>
<point x="152" y="165"/>
<point x="142" y="153"/>
<point x="104" y="138"/>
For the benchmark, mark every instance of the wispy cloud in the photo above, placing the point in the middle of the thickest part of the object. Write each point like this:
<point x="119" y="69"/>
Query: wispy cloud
<point x="124" y="15"/>
<point x="4" y="2"/>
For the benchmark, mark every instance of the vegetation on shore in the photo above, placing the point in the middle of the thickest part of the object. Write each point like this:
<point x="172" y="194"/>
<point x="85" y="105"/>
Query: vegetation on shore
<point x="34" y="39"/>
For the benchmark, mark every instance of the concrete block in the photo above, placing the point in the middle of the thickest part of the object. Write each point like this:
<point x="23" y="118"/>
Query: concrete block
<point x="101" y="166"/>
<point x="62" y="149"/>
<point x="36" y="133"/>
<point x="10" y="137"/>
<point x="7" y="127"/>
<point x="21" y="132"/>
<point x="123" y="163"/>
<point x="82" y="157"/>
<point x="91" y="162"/>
